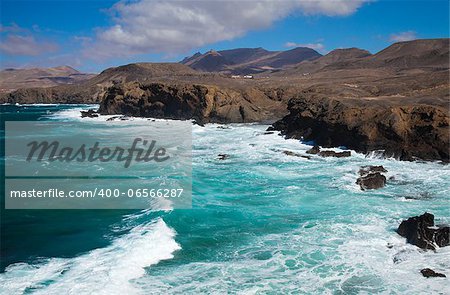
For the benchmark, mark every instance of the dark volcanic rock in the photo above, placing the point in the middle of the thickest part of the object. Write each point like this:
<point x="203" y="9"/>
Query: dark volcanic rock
<point x="89" y="114"/>
<point x="428" y="273"/>
<point x="407" y="132"/>
<point x="421" y="231"/>
<point x="314" y="150"/>
<point x="371" y="181"/>
<point x="223" y="156"/>
<point x="335" y="154"/>
<point x="370" y="169"/>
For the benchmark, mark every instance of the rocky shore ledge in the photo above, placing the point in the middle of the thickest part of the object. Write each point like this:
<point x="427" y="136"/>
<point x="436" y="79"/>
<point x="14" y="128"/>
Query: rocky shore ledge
<point x="405" y="131"/>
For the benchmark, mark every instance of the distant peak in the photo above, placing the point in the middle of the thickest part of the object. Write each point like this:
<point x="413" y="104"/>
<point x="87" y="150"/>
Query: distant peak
<point x="64" y="68"/>
<point x="213" y="52"/>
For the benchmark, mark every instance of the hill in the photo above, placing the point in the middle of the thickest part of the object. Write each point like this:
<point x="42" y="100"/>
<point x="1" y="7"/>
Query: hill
<point x="11" y="79"/>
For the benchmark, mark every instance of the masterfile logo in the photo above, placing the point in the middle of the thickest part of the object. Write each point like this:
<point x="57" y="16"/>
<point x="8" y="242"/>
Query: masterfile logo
<point x="51" y="165"/>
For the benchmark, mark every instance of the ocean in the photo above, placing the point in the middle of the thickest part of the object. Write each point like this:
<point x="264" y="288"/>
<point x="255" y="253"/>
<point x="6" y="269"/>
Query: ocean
<point x="262" y="222"/>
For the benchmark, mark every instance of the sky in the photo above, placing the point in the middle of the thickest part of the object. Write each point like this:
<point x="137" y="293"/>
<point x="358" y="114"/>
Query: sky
<point x="91" y="35"/>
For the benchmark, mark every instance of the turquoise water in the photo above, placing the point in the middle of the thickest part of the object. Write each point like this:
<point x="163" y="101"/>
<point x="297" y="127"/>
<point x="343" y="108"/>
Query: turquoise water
<point x="262" y="223"/>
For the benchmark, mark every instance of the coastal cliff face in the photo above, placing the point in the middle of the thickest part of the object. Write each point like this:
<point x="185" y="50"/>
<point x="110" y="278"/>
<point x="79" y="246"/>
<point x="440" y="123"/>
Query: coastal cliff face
<point x="407" y="132"/>
<point x="204" y="103"/>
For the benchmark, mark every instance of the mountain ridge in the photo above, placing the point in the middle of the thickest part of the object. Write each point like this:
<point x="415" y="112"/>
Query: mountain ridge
<point x="248" y="60"/>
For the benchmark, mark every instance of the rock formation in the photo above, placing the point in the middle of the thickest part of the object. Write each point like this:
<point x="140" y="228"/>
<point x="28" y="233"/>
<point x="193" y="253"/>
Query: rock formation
<point x="429" y="273"/>
<point x="421" y="231"/>
<point x="371" y="177"/>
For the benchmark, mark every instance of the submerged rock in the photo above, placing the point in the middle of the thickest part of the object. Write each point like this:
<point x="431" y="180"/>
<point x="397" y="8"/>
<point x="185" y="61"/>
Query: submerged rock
<point x="428" y="273"/>
<point x="121" y="118"/>
<point x="335" y="154"/>
<point x="223" y="156"/>
<point x="371" y="181"/>
<point x="421" y="232"/>
<point x="290" y="153"/>
<point x="315" y="150"/>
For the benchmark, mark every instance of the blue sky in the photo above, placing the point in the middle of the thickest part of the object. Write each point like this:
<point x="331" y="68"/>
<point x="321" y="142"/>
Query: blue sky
<point x="93" y="35"/>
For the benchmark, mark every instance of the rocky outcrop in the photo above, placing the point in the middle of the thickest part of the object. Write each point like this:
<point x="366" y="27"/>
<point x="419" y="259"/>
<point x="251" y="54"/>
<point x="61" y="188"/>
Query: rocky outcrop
<point x="203" y="103"/>
<point x="371" y="181"/>
<point x="407" y="132"/>
<point x="421" y="231"/>
<point x="371" y="177"/>
<point x="315" y="150"/>
<point x="429" y="273"/>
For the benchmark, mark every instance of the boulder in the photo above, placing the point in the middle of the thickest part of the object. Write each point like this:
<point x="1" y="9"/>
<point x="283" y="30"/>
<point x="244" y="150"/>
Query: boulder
<point x="371" y="181"/>
<point x="428" y="273"/>
<point x="421" y="232"/>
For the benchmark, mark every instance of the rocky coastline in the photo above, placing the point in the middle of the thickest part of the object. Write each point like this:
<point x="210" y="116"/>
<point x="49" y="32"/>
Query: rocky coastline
<point x="404" y="131"/>
<point x="200" y="102"/>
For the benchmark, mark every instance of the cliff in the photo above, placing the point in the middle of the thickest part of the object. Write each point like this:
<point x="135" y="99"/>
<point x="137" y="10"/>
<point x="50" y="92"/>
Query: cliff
<point x="204" y="103"/>
<point x="407" y="132"/>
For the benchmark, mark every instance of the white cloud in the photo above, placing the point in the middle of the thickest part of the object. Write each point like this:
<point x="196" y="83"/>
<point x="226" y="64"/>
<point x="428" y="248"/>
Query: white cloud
<point x="403" y="36"/>
<point x="316" y="46"/>
<point x="26" y="45"/>
<point x="154" y="26"/>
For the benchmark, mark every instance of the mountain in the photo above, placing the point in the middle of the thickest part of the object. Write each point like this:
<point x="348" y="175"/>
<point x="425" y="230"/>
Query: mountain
<point x="423" y="54"/>
<point x="248" y="60"/>
<point x="416" y="53"/>
<point x="345" y="55"/>
<point x="419" y="56"/>
<point x="11" y="79"/>
<point x="211" y="61"/>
